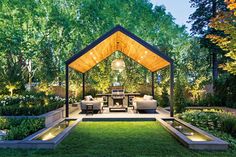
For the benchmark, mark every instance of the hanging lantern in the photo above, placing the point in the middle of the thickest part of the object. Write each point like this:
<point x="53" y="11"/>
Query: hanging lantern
<point x="118" y="64"/>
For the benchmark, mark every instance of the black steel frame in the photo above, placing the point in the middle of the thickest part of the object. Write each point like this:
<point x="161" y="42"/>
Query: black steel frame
<point x="134" y="37"/>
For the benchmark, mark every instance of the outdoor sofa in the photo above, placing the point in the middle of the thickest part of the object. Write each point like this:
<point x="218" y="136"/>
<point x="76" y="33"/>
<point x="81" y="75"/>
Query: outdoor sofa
<point x="144" y="103"/>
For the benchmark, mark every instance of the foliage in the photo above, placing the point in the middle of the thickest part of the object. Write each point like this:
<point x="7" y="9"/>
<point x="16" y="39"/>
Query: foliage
<point x="11" y="88"/>
<point x="212" y="120"/>
<point x="17" y="129"/>
<point x="226" y="90"/>
<point x="29" y="110"/>
<point x="164" y="100"/>
<point x="206" y="100"/>
<point x="29" y="104"/>
<point x="203" y="14"/>
<point x="205" y="10"/>
<point x="179" y="96"/>
<point x="224" y="136"/>
<point x="225" y="21"/>
<point x="50" y="31"/>
<point x="45" y="88"/>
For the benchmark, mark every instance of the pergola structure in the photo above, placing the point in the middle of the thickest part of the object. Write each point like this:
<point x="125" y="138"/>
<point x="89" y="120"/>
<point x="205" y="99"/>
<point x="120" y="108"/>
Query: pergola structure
<point x="120" y="39"/>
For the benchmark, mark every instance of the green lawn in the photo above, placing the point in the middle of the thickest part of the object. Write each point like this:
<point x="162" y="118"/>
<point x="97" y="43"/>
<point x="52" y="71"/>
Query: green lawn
<point x="117" y="139"/>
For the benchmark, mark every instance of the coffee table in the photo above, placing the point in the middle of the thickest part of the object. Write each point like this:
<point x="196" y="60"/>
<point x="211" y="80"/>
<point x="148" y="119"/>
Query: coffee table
<point x="118" y="108"/>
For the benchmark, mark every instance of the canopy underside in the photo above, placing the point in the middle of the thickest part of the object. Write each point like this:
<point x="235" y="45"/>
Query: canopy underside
<point x="119" y="41"/>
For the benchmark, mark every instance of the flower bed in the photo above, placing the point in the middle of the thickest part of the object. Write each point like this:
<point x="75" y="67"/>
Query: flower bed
<point x="217" y="122"/>
<point x="19" y="128"/>
<point x="29" y="105"/>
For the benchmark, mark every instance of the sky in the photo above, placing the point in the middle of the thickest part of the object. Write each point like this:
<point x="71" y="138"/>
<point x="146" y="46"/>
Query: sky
<point x="180" y="10"/>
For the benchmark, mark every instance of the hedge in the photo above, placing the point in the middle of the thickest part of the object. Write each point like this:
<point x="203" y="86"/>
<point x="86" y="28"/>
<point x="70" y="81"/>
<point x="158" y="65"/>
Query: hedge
<point x="20" y="128"/>
<point x="29" y="110"/>
<point x="211" y="120"/>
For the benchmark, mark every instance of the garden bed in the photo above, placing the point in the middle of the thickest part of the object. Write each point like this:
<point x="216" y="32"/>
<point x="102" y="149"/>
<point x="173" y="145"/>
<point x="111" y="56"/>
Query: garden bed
<point x="47" y="138"/>
<point x="29" y="105"/>
<point x="217" y="122"/>
<point x="19" y="128"/>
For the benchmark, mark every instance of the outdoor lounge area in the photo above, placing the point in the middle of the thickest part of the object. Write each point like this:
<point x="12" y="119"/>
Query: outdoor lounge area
<point x="119" y="40"/>
<point x="117" y="78"/>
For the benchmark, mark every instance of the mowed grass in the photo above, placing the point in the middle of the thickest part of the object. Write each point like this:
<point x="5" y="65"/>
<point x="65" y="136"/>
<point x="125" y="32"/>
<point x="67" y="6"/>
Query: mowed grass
<point x="118" y="139"/>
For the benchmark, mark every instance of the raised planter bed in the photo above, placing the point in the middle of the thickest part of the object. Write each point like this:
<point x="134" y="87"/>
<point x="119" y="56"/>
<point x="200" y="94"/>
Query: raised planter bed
<point x="31" y="143"/>
<point x="50" y="117"/>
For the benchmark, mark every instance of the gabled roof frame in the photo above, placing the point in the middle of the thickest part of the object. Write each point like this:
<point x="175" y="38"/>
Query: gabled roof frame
<point x="137" y="39"/>
<point x="126" y="32"/>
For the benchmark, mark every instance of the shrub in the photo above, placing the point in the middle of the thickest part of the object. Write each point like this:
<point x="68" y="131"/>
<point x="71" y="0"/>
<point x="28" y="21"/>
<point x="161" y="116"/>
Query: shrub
<point x="179" y="97"/>
<point x="20" y="128"/>
<point x="164" y="98"/>
<point x="224" y="136"/>
<point x="206" y="100"/>
<point x="30" y="103"/>
<point x="26" y="110"/>
<point x="211" y="120"/>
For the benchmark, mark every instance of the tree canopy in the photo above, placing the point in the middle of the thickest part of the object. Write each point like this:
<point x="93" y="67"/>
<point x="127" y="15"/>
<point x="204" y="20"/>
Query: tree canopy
<point x="38" y="36"/>
<point x="226" y="21"/>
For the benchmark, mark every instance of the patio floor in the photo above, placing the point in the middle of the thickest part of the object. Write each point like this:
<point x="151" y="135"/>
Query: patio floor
<point x="160" y="113"/>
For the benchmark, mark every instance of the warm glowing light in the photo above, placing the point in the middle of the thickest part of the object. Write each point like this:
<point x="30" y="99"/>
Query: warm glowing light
<point x="10" y="88"/>
<point x="118" y="64"/>
<point x="48" y="137"/>
<point x="197" y="138"/>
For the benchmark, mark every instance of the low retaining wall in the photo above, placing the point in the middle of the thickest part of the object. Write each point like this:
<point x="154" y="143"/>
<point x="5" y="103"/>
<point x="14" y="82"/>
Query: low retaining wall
<point x="53" y="116"/>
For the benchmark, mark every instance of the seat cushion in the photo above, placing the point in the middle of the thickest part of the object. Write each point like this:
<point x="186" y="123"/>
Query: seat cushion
<point x="147" y="97"/>
<point x="88" y="98"/>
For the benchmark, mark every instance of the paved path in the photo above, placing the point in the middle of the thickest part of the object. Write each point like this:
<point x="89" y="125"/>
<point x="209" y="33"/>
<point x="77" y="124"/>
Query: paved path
<point x="130" y="114"/>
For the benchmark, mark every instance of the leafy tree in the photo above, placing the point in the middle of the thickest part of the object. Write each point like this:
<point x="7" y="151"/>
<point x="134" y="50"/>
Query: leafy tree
<point x="48" y="32"/>
<point x="164" y="101"/>
<point x="179" y="96"/>
<point x="205" y="10"/>
<point x="225" y="21"/>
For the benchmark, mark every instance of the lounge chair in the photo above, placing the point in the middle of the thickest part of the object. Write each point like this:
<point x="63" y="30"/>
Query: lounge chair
<point x="96" y="102"/>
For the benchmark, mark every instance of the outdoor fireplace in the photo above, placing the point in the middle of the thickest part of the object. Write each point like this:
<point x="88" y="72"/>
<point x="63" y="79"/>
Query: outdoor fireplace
<point x="118" y="95"/>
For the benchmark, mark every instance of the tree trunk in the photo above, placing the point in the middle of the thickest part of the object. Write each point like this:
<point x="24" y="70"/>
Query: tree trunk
<point x="215" y="66"/>
<point x="30" y="81"/>
<point x="214" y="51"/>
